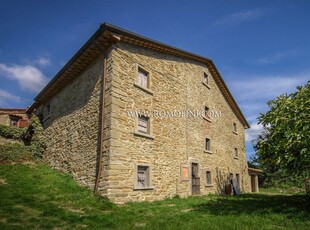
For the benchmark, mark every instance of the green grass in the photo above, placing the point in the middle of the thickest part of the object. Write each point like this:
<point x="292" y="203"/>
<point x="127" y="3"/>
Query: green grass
<point x="289" y="190"/>
<point x="35" y="196"/>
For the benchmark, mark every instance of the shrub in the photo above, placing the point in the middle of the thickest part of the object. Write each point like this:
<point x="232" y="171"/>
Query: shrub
<point x="12" y="132"/>
<point x="32" y="136"/>
<point x="35" y="136"/>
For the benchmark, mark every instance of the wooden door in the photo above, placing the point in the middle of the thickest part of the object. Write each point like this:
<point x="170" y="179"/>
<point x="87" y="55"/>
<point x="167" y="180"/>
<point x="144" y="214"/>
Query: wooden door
<point x="253" y="185"/>
<point x="195" y="179"/>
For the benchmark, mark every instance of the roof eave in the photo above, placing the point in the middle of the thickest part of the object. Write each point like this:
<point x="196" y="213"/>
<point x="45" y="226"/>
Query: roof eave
<point x="125" y="33"/>
<point x="71" y="61"/>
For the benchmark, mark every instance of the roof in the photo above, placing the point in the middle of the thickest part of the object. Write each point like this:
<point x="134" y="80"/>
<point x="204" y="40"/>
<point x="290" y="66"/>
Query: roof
<point x="253" y="170"/>
<point x="102" y="39"/>
<point x="11" y="111"/>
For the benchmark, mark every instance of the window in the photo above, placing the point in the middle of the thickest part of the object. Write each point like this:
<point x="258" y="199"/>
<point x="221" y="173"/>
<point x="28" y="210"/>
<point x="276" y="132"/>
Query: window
<point x="207" y="145"/>
<point x="234" y="127"/>
<point x="144" y="128"/>
<point x="236" y="153"/>
<point x="143" y="124"/>
<point x="143" y="78"/>
<point x="143" y="176"/>
<point x="46" y="112"/>
<point x="14" y="120"/>
<point x="206" y="79"/>
<point x="206" y="112"/>
<point x="208" y="177"/>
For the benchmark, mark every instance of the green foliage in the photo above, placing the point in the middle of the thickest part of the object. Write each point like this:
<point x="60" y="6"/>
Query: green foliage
<point x="12" y="132"/>
<point x="32" y="136"/>
<point x="15" y="153"/>
<point x="35" y="136"/>
<point x="38" y="197"/>
<point x="283" y="147"/>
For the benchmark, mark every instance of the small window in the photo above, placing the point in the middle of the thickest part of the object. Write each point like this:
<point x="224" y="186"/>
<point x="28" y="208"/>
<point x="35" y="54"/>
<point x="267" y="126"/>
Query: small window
<point x="143" y="176"/>
<point x="206" y="79"/>
<point x="14" y="121"/>
<point x="206" y="112"/>
<point x="207" y="145"/>
<point x="143" y="124"/>
<point x="46" y="112"/>
<point x="208" y="177"/>
<point x="143" y="78"/>
<point x="234" y="127"/>
<point x="48" y="108"/>
<point x="236" y="153"/>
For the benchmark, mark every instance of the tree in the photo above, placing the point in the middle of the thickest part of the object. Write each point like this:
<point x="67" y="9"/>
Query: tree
<point x="284" y="144"/>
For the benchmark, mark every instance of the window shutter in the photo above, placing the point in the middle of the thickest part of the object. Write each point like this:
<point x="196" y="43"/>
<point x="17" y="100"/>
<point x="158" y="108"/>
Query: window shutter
<point x="143" y="125"/>
<point x="143" y="176"/>
<point x="143" y="78"/>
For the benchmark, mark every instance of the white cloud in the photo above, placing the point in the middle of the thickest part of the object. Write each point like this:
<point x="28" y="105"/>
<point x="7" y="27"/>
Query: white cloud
<point x="252" y="133"/>
<point x="42" y="61"/>
<point x="6" y="96"/>
<point x="39" y="62"/>
<point x="239" y="17"/>
<point x="277" y="57"/>
<point x="266" y="87"/>
<point x="252" y="92"/>
<point x="27" y="76"/>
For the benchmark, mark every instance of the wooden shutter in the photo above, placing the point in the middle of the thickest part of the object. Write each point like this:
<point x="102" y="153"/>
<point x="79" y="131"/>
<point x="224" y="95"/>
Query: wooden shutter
<point x="143" y="124"/>
<point x="206" y="78"/>
<point x="143" y="176"/>
<point x="143" y="78"/>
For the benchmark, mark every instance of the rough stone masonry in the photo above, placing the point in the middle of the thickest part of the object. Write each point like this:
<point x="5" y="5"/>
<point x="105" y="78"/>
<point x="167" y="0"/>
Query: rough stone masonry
<point x="164" y="155"/>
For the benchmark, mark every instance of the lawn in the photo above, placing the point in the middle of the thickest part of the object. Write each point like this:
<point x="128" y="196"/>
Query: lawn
<point x="34" y="196"/>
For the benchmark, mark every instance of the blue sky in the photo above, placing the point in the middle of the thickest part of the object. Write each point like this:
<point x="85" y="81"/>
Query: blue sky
<point x="261" y="48"/>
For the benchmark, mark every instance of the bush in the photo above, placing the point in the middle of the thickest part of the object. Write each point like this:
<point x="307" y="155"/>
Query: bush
<point x="32" y="136"/>
<point x="12" y="132"/>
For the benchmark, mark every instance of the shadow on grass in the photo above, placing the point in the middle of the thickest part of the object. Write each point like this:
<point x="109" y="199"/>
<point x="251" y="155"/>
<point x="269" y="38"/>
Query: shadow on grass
<point x="291" y="206"/>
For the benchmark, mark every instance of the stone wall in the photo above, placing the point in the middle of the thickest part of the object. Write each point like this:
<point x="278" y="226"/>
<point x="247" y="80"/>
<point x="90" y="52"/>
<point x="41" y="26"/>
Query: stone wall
<point x="176" y="85"/>
<point x="5" y="115"/>
<point x="5" y="119"/>
<point x="72" y="128"/>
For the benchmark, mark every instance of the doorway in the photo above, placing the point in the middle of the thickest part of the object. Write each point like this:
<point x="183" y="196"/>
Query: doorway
<point x="253" y="183"/>
<point x="195" y="179"/>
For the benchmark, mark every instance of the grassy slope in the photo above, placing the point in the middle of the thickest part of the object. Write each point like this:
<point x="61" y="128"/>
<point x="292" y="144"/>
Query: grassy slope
<point x="37" y="197"/>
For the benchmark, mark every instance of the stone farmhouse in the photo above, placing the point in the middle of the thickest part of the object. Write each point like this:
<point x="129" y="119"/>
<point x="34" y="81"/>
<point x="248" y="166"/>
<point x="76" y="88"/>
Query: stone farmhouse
<point x="139" y="120"/>
<point x="14" y="117"/>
